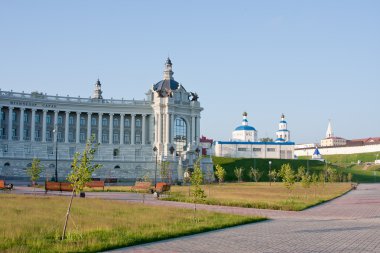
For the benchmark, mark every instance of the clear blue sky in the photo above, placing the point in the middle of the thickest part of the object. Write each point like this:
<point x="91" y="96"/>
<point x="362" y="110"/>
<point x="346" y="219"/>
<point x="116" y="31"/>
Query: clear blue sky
<point x="311" y="60"/>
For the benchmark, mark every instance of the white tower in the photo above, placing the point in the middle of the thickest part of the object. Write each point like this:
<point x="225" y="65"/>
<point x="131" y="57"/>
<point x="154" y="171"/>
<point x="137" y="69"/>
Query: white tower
<point x="329" y="132"/>
<point x="283" y="134"/>
<point x="98" y="91"/>
<point x="244" y="132"/>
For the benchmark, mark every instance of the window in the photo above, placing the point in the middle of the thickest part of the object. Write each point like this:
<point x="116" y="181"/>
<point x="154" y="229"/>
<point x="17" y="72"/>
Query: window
<point x="115" y="137"/>
<point x="115" y="122"/>
<point x="59" y="136"/>
<point x="242" y="149"/>
<point x="82" y="121"/>
<point x="116" y="152"/>
<point x="49" y="150"/>
<point x="14" y="132"/>
<point x="2" y="115"/>
<point x="126" y="123"/>
<point x="37" y="118"/>
<point x="25" y="117"/>
<point x="256" y="149"/>
<point x="138" y="123"/>
<point x="93" y="121"/>
<point x="104" y="122"/>
<point x="71" y="136"/>
<point x="104" y="137"/>
<point x="26" y="133"/>
<point x="71" y="120"/>
<point x="60" y="120"/>
<point x="138" y="138"/>
<point x="126" y="138"/>
<point x="14" y="118"/>
<point x="271" y="149"/>
<point x="48" y="119"/>
<point x="48" y="134"/>
<point x="82" y="136"/>
<point x="180" y="131"/>
<point x="5" y="150"/>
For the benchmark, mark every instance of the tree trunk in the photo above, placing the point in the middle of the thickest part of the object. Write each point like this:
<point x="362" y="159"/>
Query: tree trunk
<point x="67" y="215"/>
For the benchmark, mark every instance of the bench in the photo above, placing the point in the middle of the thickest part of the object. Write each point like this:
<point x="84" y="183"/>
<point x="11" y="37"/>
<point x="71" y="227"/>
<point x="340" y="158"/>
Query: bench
<point x="58" y="186"/>
<point x="142" y="186"/>
<point x="162" y="187"/>
<point x="94" y="184"/>
<point x="3" y="186"/>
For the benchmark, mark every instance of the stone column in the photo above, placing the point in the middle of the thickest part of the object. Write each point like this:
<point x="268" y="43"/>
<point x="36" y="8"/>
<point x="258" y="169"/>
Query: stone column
<point x="156" y="128"/>
<point x="89" y="125"/>
<point x="121" y="128"/>
<point x="44" y="112"/>
<point x="188" y="132"/>
<point x="77" y="128"/>
<point x="172" y="127"/>
<point x="67" y="116"/>
<point x="151" y="128"/>
<point x="167" y="130"/>
<point x="133" y="137"/>
<point x="143" y="132"/>
<point x="198" y="130"/>
<point x="159" y="132"/>
<point x="22" y="111"/>
<point x="110" y="141"/>
<point x="1" y="118"/>
<point x="10" y="122"/>
<point x="192" y="129"/>
<point x="33" y="126"/>
<point x="100" y="129"/>
<point x="55" y="136"/>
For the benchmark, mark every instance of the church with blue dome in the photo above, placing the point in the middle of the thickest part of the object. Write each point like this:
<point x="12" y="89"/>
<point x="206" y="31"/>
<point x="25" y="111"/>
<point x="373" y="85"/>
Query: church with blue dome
<point x="245" y="143"/>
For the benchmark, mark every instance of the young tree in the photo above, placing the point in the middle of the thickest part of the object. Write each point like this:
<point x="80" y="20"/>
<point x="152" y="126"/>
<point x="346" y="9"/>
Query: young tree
<point x="209" y="177"/>
<point x="300" y="173"/>
<point x="220" y="173"/>
<point x="164" y="170"/>
<point x="81" y="171"/>
<point x="255" y="174"/>
<point x="306" y="182"/>
<point x="239" y="173"/>
<point x="288" y="176"/>
<point x="196" y="182"/>
<point x="34" y="171"/>
<point x="272" y="175"/>
<point x="315" y="181"/>
<point x="332" y="174"/>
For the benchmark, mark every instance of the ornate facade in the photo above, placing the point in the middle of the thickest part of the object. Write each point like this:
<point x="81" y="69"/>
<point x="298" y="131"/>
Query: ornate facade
<point x="44" y="126"/>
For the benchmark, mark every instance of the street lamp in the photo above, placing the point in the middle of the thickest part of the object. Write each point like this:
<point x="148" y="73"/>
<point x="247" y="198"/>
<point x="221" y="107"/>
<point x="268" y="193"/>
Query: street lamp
<point x="56" y="153"/>
<point x="270" y="176"/>
<point x="155" y="170"/>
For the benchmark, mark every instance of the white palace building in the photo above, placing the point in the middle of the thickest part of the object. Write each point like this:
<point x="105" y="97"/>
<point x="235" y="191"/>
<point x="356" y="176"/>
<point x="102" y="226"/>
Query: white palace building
<point x="245" y="144"/>
<point x="38" y="125"/>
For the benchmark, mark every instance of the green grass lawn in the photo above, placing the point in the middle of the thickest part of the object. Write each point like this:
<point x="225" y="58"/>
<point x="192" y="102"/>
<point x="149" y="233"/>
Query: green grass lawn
<point x="35" y="223"/>
<point x="262" y="195"/>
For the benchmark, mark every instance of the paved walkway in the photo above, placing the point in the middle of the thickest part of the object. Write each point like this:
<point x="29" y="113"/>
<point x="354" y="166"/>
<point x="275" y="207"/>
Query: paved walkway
<point x="347" y="224"/>
<point x="350" y="223"/>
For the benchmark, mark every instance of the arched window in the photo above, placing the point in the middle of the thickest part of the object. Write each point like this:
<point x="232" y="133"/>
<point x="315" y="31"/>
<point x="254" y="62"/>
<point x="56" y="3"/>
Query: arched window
<point x="126" y="123"/>
<point x="180" y="134"/>
<point x="138" y="123"/>
<point x="115" y="122"/>
<point x="7" y="164"/>
<point x="117" y="167"/>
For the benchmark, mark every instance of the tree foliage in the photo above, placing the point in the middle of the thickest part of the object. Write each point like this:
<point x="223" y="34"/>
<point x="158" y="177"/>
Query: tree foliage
<point x="255" y="174"/>
<point x="239" y="173"/>
<point x="34" y="171"/>
<point x="220" y="173"/>
<point x="287" y="175"/>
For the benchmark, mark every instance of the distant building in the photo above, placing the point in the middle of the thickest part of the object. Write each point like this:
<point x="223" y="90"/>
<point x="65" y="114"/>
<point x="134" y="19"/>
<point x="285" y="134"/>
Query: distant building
<point x="245" y="144"/>
<point x="331" y="140"/>
<point x="206" y="145"/>
<point x="332" y="145"/>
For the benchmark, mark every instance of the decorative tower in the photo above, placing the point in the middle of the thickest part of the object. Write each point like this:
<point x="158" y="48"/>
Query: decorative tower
<point x="283" y="134"/>
<point x="244" y="132"/>
<point x="329" y="132"/>
<point x="168" y="72"/>
<point x="98" y="91"/>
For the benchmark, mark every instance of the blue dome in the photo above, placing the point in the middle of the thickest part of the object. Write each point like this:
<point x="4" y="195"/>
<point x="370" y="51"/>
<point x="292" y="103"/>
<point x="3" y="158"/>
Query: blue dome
<point x="168" y="84"/>
<point x="246" y="128"/>
<point x="279" y="140"/>
<point x="283" y="121"/>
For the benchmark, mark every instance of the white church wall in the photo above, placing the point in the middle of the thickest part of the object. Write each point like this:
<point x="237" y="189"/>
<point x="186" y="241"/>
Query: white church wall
<point x="339" y="150"/>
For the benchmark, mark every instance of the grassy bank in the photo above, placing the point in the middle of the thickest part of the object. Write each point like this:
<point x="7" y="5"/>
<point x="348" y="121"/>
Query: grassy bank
<point x="262" y="195"/>
<point x="34" y="224"/>
<point x="361" y="174"/>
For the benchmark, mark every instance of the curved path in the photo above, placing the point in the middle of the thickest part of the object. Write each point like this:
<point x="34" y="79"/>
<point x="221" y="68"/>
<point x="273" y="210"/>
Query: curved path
<point x="350" y="223"/>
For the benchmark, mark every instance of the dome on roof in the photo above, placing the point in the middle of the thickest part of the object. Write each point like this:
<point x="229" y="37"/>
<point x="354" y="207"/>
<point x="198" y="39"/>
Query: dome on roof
<point x="280" y="140"/>
<point x="245" y="128"/>
<point x="166" y="84"/>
